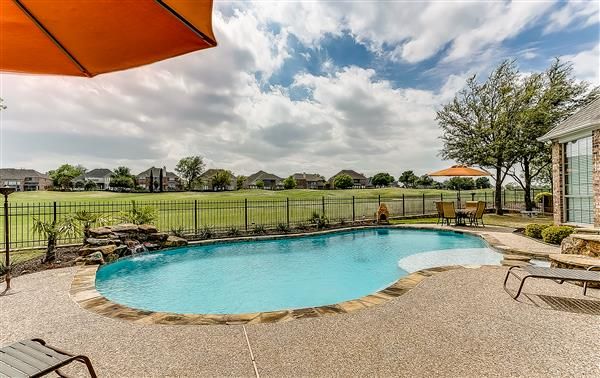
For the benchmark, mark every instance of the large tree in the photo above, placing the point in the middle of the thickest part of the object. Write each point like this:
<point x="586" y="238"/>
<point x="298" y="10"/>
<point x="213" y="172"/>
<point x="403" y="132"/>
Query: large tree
<point x="290" y="183"/>
<point x="408" y="179"/>
<point x="478" y="124"/>
<point x="190" y="168"/>
<point x="556" y="95"/>
<point x="221" y="179"/>
<point x="343" y="181"/>
<point x="382" y="179"/>
<point x="63" y="176"/>
<point x="122" y="178"/>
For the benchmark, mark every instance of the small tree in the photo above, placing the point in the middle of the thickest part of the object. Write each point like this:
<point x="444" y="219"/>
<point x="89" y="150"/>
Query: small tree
<point x="90" y="185"/>
<point x="425" y="182"/>
<point x="382" y="179"/>
<point x="84" y="220"/>
<point x="260" y="184"/>
<point x="122" y="178"/>
<point x="52" y="231"/>
<point x="343" y="181"/>
<point x="290" y="183"/>
<point x="483" y="183"/>
<point x="460" y="183"/>
<point x="190" y="168"/>
<point x="239" y="183"/>
<point x="63" y="176"/>
<point x="408" y="179"/>
<point x="221" y="179"/>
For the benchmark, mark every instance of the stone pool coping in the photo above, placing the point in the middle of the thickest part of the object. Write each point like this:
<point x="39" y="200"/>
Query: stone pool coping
<point x="83" y="290"/>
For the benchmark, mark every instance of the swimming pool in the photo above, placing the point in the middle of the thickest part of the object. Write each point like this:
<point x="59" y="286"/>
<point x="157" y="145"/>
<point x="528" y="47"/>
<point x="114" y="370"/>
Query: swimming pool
<point x="289" y="273"/>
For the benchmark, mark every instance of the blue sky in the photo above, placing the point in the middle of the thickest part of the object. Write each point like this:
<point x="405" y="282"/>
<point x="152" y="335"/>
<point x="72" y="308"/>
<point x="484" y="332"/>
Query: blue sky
<point x="295" y="86"/>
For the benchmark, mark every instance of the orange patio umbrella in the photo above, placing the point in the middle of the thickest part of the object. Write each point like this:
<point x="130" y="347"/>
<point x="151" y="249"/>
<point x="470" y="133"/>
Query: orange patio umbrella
<point x="91" y="37"/>
<point x="459" y="170"/>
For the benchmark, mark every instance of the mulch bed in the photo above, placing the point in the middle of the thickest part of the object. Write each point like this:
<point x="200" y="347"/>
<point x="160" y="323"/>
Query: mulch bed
<point x="65" y="257"/>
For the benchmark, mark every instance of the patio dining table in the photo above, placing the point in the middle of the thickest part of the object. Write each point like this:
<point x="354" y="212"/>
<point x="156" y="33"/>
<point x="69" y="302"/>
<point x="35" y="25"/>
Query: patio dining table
<point x="462" y="215"/>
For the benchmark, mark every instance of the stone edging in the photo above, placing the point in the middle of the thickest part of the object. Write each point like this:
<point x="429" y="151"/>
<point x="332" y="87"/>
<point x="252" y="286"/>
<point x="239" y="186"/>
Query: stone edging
<point x="83" y="291"/>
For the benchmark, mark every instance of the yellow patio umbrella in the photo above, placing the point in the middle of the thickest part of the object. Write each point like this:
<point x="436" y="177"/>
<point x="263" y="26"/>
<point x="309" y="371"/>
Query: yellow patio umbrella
<point x="459" y="171"/>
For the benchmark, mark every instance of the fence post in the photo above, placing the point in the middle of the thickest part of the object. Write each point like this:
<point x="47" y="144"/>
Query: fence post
<point x="54" y="212"/>
<point x="504" y="195"/>
<point x="378" y="199"/>
<point x="246" y="213"/>
<point x="353" y="210"/>
<point x="403" y="208"/>
<point x="423" y="203"/>
<point x="441" y="197"/>
<point x="472" y="196"/>
<point x="195" y="217"/>
<point x="485" y="198"/>
<point x="323" y="204"/>
<point x="287" y="210"/>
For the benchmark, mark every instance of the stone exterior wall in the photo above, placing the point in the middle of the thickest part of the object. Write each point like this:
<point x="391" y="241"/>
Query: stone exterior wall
<point x="557" y="182"/>
<point x="596" y="175"/>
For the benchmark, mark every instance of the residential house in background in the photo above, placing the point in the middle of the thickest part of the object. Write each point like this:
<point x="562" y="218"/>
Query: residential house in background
<point x="309" y="181"/>
<point x="360" y="180"/>
<point x="270" y="181"/>
<point x="171" y="182"/>
<point x="206" y="180"/>
<point x="100" y="176"/>
<point x="576" y="167"/>
<point x="24" y="180"/>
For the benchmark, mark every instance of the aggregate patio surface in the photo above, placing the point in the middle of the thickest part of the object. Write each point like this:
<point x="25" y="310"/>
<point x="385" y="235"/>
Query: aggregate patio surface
<point x="455" y="323"/>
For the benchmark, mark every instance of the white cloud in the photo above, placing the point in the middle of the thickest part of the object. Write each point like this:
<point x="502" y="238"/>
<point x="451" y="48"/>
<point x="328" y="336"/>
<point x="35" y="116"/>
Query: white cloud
<point x="580" y="14"/>
<point x="586" y="64"/>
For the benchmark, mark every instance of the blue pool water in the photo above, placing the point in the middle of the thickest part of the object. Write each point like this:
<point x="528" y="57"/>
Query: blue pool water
<point x="268" y="275"/>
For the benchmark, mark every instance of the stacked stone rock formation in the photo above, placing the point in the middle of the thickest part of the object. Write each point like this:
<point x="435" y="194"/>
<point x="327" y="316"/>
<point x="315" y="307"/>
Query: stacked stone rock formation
<point x="109" y="243"/>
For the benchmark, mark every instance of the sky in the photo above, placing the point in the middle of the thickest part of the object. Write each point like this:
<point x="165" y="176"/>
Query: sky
<point x="311" y="86"/>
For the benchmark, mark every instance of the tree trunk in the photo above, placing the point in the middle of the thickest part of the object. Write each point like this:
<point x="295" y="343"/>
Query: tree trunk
<point x="498" y="195"/>
<point x="527" y="188"/>
<point x="50" y="253"/>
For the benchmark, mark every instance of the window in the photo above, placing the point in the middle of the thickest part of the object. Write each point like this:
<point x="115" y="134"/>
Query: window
<point x="579" y="206"/>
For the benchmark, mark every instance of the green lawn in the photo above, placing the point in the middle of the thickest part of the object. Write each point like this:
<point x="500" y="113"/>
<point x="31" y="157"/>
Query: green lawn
<point x="50" y="196"/>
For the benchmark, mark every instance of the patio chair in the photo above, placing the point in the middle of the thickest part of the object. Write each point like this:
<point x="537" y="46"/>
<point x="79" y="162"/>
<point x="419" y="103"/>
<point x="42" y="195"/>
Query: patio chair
<point x="34" y="358"/>
<point x="440" y="212"/>
<point x="478" y="214"/>
<point x="471" y="205"/>
<point x="556" y="274"/>
<point x="448" y="212"/>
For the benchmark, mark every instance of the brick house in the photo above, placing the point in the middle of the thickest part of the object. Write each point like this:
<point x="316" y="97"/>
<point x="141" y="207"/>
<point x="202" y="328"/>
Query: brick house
<point x="309" y="180"/>
<point x="576" y="167"/>
<point x="101" y="176"/>
<point x="24" y="180"/>
<point x="360" y="181"/>
<point x="205" y="180"/>
<point x="171" y="181"/>
<point x="270" y="181"/>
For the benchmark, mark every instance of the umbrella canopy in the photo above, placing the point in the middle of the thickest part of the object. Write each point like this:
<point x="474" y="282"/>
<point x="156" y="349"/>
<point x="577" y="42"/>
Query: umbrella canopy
<point x="91" y="37"/>
<point x="459" y="170"/>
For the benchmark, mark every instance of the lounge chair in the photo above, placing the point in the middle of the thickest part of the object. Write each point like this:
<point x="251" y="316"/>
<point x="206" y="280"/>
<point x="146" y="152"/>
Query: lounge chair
<point x="449" y="212"/>
<point x="478" y="214"/>
<point x="34" y="358"/>
<point x="556" y="274"/>
<point x="440" y="212"/>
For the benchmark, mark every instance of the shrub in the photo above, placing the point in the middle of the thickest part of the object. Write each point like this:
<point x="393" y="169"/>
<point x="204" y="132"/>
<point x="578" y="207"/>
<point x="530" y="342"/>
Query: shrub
<point x="178" y="231"/>
<point x="259" y="229"/>
<point x="540" y="196"/>
<point x="139" y="214"/>
<point x="283" y="227"/>
<point x="206" y="233"/>
<point x="319" y="220"/>
<point x="342" y="222"/>
<point x="556" y="234"/>
<point x="534" y="230"/>
<point x="233" y="231"/>
<point x="301" y="226"/>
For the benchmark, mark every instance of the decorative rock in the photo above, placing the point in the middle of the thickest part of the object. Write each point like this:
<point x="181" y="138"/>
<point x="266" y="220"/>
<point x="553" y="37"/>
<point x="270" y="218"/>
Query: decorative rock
<point x="581" y="244"/>
<point x="112" y="257"/>
<point x="148" y="229"/>
<point x="126" y="227"/>
<point x="159" y="236"/>
<point x="151" y="246"/>
<point x="103" y="249"/>
<point x="95" y="258"/>
<point x="175" y="241"/>
<point x="95" y="241"/>
<point x="100" y="231"/>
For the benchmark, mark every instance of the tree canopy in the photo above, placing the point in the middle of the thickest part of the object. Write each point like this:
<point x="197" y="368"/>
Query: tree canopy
<point x="343" y="181"/>
<point x="221" y="179"/>
<point x="408" y="179"/>
<point x="190" y="168"/>
<point x="382" y="179"/>
<point x="122" y="178"/>
<point x="63" y="176"/>
<point x="290" y="183"/>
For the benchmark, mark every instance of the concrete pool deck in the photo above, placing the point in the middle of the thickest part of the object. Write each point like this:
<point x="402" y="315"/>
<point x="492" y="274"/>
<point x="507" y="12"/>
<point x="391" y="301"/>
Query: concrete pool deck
<point x="455" y="323"/>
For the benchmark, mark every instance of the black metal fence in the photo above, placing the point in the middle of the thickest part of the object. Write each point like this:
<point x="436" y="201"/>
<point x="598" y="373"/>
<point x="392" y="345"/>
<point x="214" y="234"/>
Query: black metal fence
<point x="192" y="217"/>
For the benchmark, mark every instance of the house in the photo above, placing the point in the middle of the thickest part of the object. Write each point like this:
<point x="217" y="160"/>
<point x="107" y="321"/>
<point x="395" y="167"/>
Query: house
<point x="170" y="182"/>
<point x="100" y="176"/>
<point x="270" y="181"/>
<point x="24" y="180"/>
<point x="309" y="180"/>
<point x="360" y="180"/>
<point x="576" y="167"/>
<point x="207" y="177"/>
